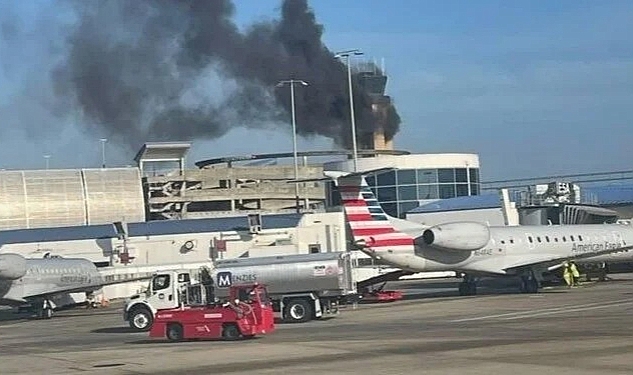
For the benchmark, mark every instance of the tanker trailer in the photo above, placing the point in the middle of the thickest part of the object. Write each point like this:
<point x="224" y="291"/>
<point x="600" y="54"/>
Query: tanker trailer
<point x="301" y="287"/>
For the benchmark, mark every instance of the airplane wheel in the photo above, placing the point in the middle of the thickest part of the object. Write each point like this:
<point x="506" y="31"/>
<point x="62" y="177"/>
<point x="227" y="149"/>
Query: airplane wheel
<point x="528" y="285"/>
<point x="472" y="289"/>
<point x="467" y="289"/>
<point x="46" y="313"/>
<point x="463" y="289"/>
<point x="531" y="286"/>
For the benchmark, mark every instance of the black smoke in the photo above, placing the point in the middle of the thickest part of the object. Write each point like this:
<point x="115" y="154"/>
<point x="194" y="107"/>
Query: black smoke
<point x="137" y="70"/>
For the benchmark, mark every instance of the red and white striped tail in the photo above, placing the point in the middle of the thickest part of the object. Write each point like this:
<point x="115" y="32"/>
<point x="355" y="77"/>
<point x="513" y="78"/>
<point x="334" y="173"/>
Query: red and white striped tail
<point x="367" y="219"/>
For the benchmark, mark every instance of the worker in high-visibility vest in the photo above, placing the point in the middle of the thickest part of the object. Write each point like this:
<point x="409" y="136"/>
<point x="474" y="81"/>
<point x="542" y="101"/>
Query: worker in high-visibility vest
<point x="574" y="273"/>
<point x="567" y="274"/>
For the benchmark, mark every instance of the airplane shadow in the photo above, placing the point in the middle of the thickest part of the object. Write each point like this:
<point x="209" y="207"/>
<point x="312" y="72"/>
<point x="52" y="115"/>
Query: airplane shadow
<point x="448" y="290"/>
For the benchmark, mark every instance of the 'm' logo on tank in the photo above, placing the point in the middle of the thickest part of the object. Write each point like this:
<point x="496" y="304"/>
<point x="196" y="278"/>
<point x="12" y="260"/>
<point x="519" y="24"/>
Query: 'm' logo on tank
<point x="224" y="279"/>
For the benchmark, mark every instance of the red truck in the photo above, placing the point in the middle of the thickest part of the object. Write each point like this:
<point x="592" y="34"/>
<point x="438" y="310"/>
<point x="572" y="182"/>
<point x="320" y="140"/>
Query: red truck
<point x="247" y="313"/>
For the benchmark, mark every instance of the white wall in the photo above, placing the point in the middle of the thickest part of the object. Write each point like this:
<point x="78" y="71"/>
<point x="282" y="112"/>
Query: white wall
<point x="326" y="229"/>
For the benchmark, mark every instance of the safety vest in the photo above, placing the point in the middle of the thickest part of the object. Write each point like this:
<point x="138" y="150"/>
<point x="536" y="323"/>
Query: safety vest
<point x="574" y="270"/>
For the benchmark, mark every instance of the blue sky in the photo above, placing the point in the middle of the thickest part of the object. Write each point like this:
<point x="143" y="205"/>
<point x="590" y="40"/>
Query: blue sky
<point x="534" y="87"/>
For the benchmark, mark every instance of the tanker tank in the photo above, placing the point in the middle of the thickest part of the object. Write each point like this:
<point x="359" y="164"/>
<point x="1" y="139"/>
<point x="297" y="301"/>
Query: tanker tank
<point x="326" y="274"/>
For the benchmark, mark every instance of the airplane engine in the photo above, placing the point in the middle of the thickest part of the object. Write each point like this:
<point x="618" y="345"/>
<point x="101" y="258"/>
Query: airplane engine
<point x="12" y="266"/>
<point x="460" y="236"/>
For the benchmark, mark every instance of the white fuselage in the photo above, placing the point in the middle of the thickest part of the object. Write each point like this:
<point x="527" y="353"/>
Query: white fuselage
<point x="49" y="276"/>
<point x="511" y="248"/>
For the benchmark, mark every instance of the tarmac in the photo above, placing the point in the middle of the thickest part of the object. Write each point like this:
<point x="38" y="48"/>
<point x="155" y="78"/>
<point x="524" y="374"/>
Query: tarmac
<point x="583" y="330"/>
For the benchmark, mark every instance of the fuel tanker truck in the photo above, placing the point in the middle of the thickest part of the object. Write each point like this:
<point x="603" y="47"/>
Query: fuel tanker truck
<point x="300" y="287"/>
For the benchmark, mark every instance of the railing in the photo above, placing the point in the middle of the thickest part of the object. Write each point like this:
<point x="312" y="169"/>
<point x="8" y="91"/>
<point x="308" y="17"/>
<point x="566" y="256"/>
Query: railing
<point x="576" y="178"/>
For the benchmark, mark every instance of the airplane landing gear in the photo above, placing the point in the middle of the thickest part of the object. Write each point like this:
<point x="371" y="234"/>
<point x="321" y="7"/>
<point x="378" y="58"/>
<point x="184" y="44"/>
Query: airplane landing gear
<point x="468" y="287"/>
<point x="529" y="283"/>
<point x="46" y="310"/>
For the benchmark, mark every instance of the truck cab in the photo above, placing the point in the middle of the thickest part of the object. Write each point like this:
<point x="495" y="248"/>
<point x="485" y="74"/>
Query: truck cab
<point x="165" y="291"/>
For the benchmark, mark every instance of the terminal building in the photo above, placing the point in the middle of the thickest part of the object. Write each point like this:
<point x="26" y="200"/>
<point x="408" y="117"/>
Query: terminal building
<point x="226" y="208"/>
<point x="416" y="179"/>
<point x="222" y="209"/>
<point x="539" y="204"/>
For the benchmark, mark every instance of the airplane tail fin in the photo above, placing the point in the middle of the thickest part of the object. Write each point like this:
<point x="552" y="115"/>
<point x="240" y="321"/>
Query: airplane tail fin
<point x="370" y="225"/>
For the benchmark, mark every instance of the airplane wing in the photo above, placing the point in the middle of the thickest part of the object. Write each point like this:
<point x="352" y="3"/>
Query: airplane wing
<point x="553" y="260"/>
<point x="81" y="288"/>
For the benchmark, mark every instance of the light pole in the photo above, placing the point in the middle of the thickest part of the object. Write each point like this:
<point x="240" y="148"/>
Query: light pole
<point x="292" y="83"/>
<point x="347" y="54"/>
<point x="103" y="161"/>
<point x="46" y="158"/>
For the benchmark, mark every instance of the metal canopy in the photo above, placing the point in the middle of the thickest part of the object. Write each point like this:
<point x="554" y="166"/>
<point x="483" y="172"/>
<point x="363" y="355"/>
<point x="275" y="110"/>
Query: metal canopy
<point x="162" y="151"/>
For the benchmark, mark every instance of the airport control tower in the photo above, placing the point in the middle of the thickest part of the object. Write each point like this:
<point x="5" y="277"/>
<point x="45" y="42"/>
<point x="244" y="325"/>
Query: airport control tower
<point x="374" y="81"/>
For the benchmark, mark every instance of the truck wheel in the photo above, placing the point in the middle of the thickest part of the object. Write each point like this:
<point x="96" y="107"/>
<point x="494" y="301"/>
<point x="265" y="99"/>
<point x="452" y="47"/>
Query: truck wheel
<point x="230" y="332"/>
<point x="141" y="319"/>
<point x="297" y="311"/>
<point x="174" y="332"/>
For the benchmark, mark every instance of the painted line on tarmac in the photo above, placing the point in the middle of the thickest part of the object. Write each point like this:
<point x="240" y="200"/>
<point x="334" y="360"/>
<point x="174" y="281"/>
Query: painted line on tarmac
<point x="9" y="325"/>
<point x="549" y="310"/>
<point x="528" y="315"/>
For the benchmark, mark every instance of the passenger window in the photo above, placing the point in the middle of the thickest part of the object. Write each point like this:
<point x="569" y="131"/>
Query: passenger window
<point x="503" y="242"/>
<point x="547" y="238"/>
<point x="511" y="240"/>
<point x="530" y="239"/>
<point x="538" y="239"/>
<point x="555" y="239"/>
<point x="571" y="237"/>
<point x="564" y="239"/>
<point x="579" y="237"/>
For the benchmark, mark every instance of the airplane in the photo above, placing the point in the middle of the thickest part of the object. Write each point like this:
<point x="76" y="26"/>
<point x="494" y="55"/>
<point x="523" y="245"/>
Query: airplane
<point x="37" y="281"/>
<point x="472" y="249"/>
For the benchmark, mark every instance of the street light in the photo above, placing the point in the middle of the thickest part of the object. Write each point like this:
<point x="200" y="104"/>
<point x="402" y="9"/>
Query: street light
<point x="347" y="54"/>
<point x="292" y="83"/>
<point x="103" y="161"/>
<point x="46" y="158"/>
